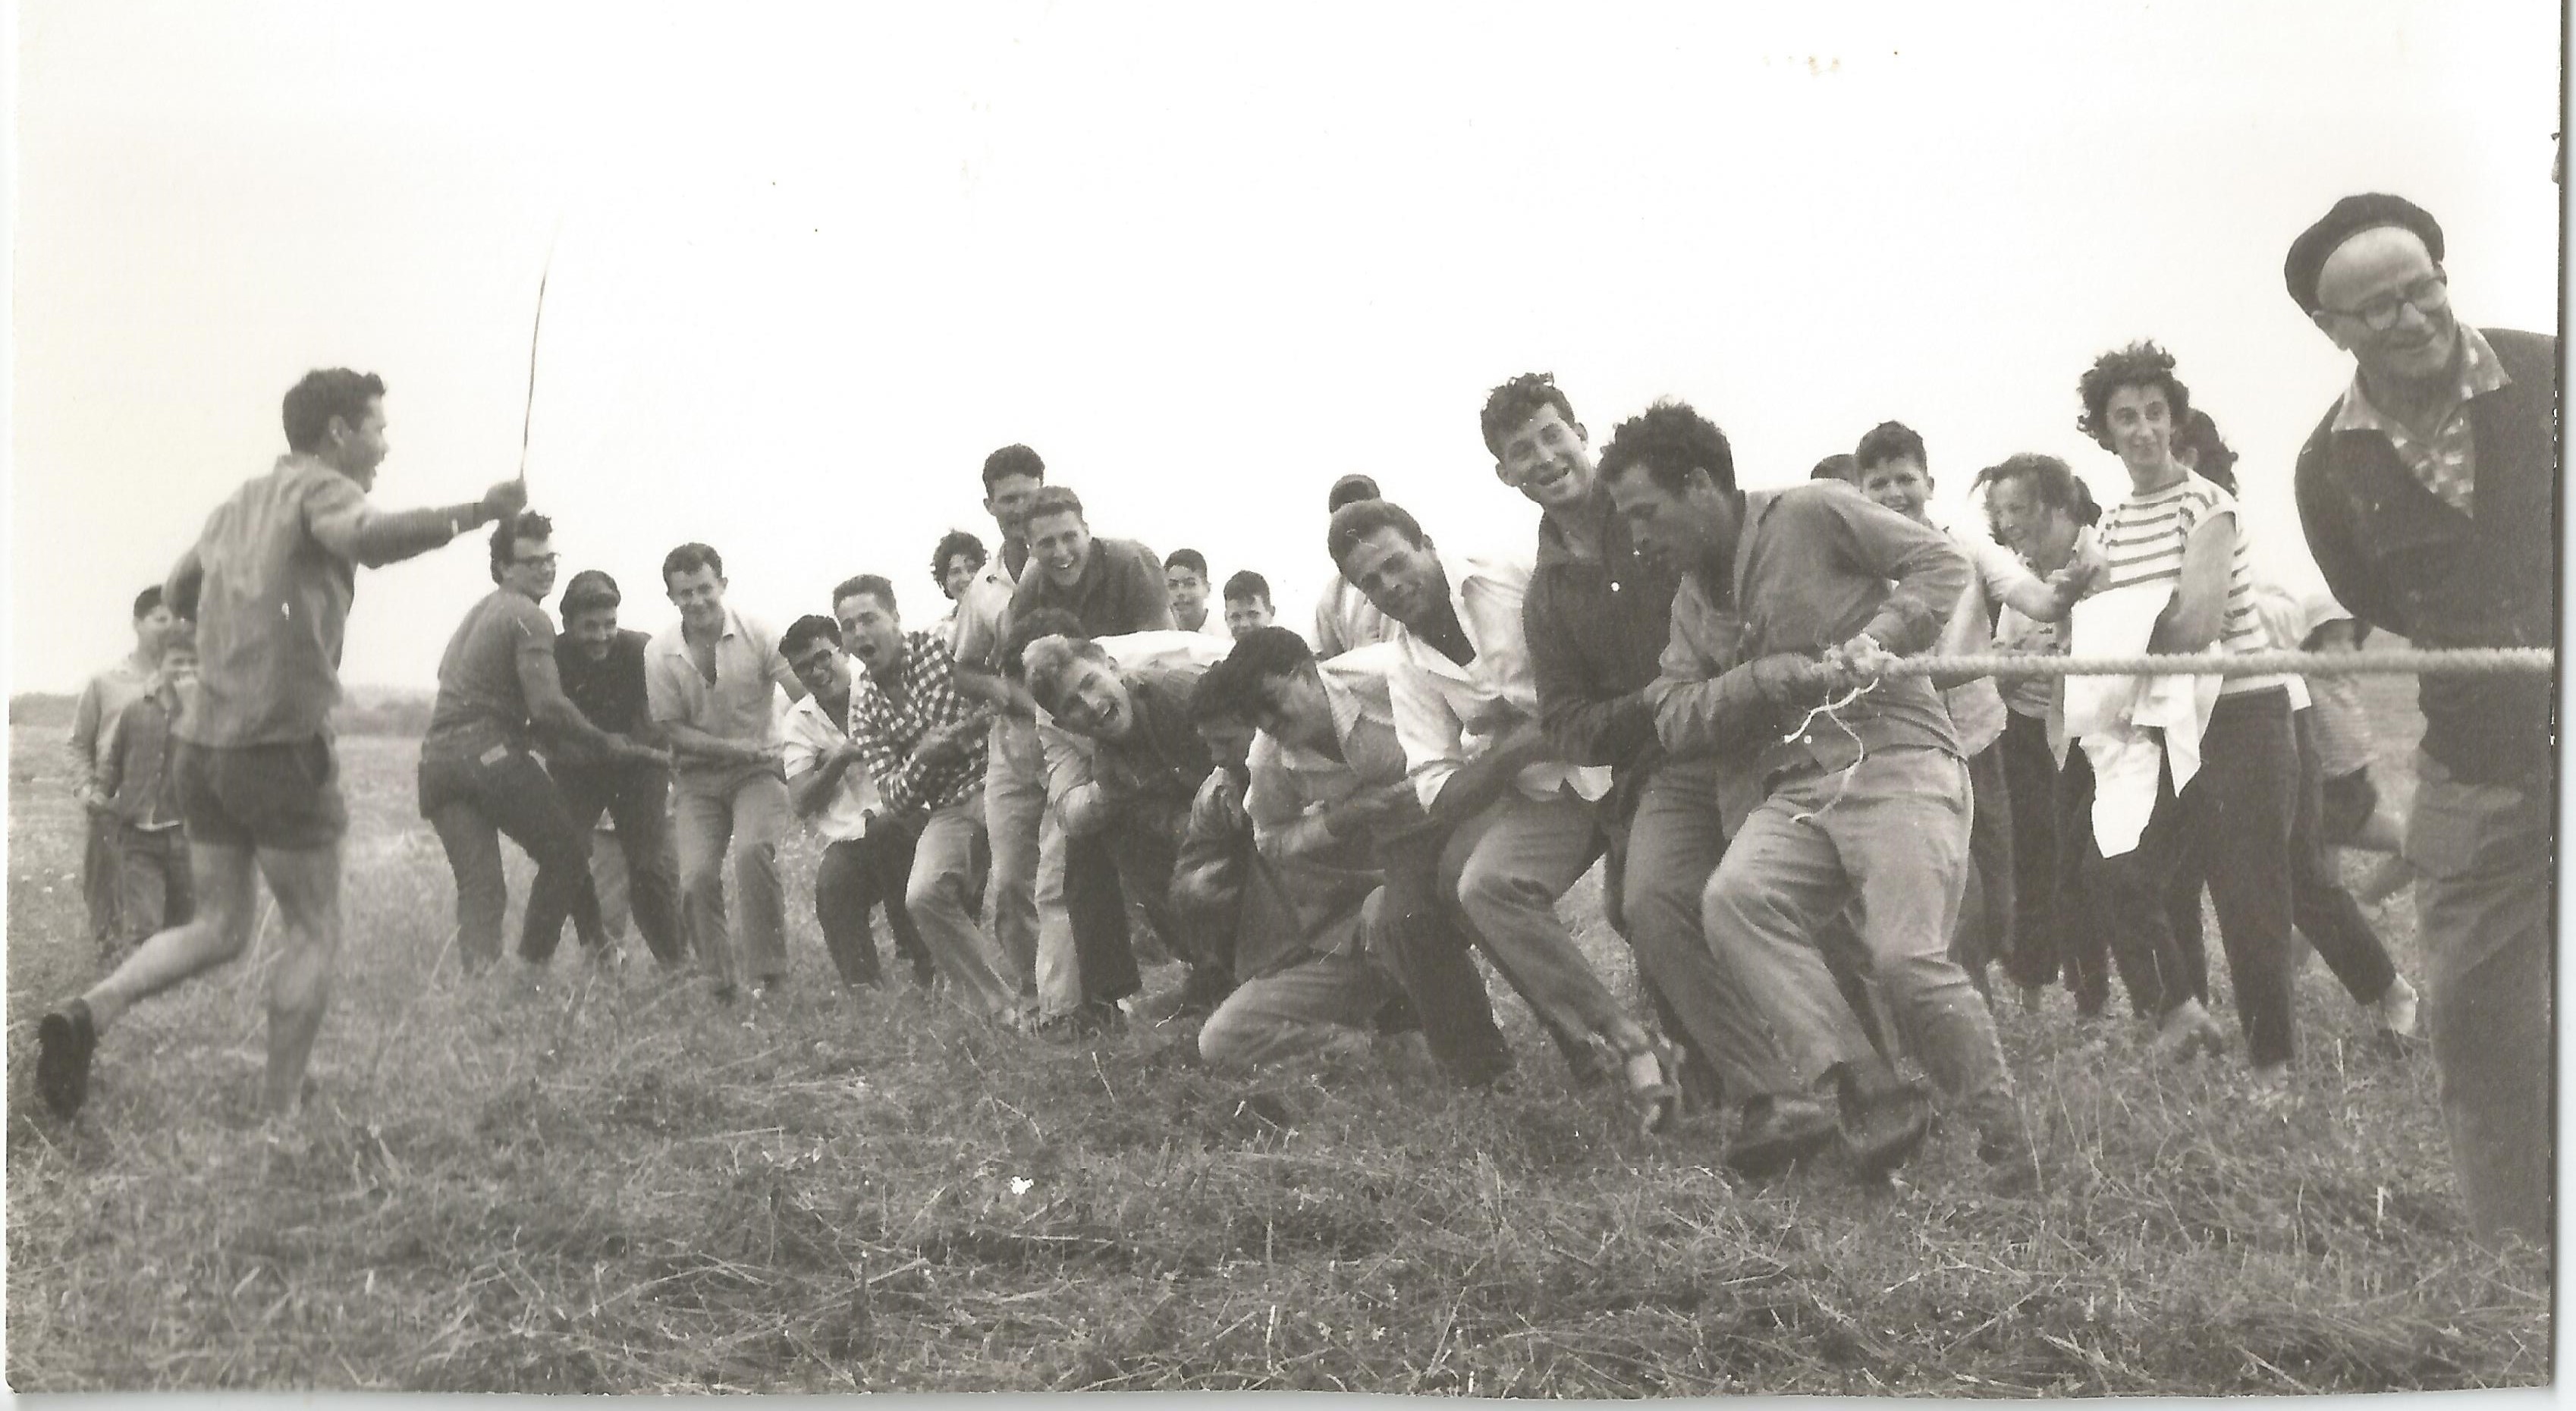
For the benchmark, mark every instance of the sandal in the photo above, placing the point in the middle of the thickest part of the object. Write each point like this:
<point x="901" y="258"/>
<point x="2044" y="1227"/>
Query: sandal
<point x="1652" y="1091"/>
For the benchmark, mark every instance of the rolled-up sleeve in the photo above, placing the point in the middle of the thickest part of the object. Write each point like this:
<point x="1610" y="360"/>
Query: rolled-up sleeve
<point x="1073" y="790"/>
<point x="1704" y="702"/>
<point x="1928" y="570"/>
<point x="339" y="518"/>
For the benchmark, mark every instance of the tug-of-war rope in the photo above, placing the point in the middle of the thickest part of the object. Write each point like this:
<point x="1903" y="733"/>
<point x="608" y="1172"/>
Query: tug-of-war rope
<point x="2456" y="661"/>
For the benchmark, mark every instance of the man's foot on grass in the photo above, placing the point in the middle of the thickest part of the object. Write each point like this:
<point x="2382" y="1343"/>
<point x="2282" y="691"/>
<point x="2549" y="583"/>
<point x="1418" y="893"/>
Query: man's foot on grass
<point x="2188" y="1029"/>
<point x="65" y="1039"/>
<point x="1096" y="1019"/>
<point x="1777" y="1134"/>
<point x="2395" y="1010"/>
<point x="1882" y="1130"/>
<point x="2004" y="1144"/>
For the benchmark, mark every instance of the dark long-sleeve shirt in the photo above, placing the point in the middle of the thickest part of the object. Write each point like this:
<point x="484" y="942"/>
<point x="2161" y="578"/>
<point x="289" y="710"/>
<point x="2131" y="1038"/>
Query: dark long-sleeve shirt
<point x="1814" y="566"/>
<point x="2401" y="558"/>
<point x="1597" y="624"/>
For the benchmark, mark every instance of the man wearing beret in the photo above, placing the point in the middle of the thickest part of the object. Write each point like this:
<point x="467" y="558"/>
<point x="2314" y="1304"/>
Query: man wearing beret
<point x="2428" y="494"/>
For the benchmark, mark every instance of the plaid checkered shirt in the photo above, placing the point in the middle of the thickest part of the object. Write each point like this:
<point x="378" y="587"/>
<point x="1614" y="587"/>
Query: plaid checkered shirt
<point x="888" y="731"/>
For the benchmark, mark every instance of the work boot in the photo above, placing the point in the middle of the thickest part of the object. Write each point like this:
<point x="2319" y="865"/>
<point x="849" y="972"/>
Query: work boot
<point x="1882" y="1128"/>
<point x="65" y="1039"/>
<point x="1776" y="1133"/>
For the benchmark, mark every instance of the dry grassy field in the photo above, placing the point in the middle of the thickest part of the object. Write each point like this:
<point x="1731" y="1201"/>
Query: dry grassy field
<point x="604" y="1183"/>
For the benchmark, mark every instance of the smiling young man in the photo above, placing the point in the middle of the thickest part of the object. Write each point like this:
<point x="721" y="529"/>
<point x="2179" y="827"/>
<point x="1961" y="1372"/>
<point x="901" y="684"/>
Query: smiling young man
<point x="1789" y="595"/>
<point x="1112" y="587"/>
<point x="2429" y="497"/>
<point x="479" y="777"/>
<point x="1185" y="579"/>
<point x="923" y="743"/>
<point x="1520" y="817"/>
<point x="268" y="583"/>
<point x="1597" y="617"/>
<point x="711" y="683"/>
<point x="867" y="853"/>
<point x="1247" y="604"/>
<point x="601" y="666"/>
<point x="1345" y="620"/>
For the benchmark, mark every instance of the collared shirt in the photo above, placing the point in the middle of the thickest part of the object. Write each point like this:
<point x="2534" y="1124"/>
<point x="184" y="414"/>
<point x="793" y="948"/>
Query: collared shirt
<point x="101" y="702"/>
<point x="270" y="580"/>
<point x="1596" y="622"/>
<point x="739" y="704"/>
<point x="1119" y="590"/>
<point x="1814" y="566"/>
<point x="1345" y="620"/>
<point x="1293" y="784"/>
<point x="135" y="770"/>
<point x="811" y="733"/>
<point x="2447" y="461"/>
<point x="1447" y="714"/>
<point x="982" y="615"/>
<point x="481" y="701"/>
<point x="888" y="731"/>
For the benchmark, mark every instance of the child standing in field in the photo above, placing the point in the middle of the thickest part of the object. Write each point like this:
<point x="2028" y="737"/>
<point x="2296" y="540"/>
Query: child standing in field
<point x="139" y="803"/>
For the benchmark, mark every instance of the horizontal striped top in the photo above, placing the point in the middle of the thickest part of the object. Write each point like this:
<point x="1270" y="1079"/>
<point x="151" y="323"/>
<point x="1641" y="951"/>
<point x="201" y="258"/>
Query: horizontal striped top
<point x="2143" y="540"/>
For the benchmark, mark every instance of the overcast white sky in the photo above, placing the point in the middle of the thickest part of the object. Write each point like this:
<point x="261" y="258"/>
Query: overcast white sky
<point x="811" y="264"/>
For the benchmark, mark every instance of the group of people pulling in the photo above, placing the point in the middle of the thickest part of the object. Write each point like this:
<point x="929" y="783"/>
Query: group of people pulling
<point x="1814" y="859"/>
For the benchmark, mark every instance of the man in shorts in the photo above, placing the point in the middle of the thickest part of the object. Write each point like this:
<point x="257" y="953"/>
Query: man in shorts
<point x="268" y="582"/>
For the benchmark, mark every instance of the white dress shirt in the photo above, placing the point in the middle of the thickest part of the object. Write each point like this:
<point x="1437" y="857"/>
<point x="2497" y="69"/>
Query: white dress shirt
<point x="1447" y="714"/>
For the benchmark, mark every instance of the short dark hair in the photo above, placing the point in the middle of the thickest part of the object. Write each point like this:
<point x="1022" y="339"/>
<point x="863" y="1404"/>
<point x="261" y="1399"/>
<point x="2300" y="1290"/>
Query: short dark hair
<point x="589" y="589"/>
<point x="1229" y="689"/>
<point x="1190" y="559"/>
<point x="1362" y="518"/>
<point x="951" y="544"/>
<point x="2213" y="460"/>
<point x="1036" y="623"/>
<point x="1011" y="460"/>
<point x="323" y="394"/>
<point x="689" y="558"/>
<point x="1247" y="584"/>
<point x="1669" y="440"/>
<point x="1054" y="499"/>
<point x="1348" y="490"/>
<point x="509" y="529"/>
<point x="810" y="627"/>
<point x="873" y="585"/>
<point x="2141" y="364"/>
<point x="146" y="601"/>
<point x="2052" y="482"/>
<point x="1509" y="406"/>
<point x="1838" y="466"/>
<point x="1889" y="441"/>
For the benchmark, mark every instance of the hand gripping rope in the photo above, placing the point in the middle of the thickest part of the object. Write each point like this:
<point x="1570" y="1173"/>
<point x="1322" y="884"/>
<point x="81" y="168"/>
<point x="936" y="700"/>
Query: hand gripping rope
<point x="2460" y="661"/>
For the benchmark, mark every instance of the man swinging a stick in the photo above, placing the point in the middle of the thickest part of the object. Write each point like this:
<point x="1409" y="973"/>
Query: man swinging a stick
<point x="269" y="582"/>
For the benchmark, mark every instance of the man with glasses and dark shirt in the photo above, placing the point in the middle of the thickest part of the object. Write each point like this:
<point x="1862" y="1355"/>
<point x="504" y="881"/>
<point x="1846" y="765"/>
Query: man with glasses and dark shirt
<point x="478" y="778"/>
<point x="268" y="583"/>
<point x="2429" y="495"/>
<point x="601" y="666"/>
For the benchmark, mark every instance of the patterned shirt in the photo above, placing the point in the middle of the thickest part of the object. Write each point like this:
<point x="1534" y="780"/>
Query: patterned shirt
<point x="2446" y="462"/>
<point x="888" y="731"/>
<point x="2143" y="541"/>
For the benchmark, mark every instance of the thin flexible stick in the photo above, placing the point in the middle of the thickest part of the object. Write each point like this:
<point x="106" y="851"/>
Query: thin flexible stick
<point x="528" y="415"/>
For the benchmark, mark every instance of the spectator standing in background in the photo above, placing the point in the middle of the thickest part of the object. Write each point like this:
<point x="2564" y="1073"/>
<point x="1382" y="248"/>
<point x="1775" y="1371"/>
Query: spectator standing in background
<point x="101" y="700"/>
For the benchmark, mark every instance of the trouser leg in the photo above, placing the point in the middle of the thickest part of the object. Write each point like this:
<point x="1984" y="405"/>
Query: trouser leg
<point x="608" y="878"/>
<point x="641" y="809"/>
<point x="2128" y="893"/>
<point x="1096" y="913"/>
<point x="761" y="818"/>
<point x="145" y="893"/>
<point x="2248" y="786"/>
<point x="1985" y="933"/>
<point x="1509" y="866"/>
<point x="1014" y="802"/>
<point x="2486" y="855"/>
<point x="1295" y="1012"/>
<point x="702" y="830"/>
<point x="2083" y="936"/>
<point x="98" y="874"/>
<point x="1427" y="945"/>
<point x="2320" y="907"/>
<point x="889" y="857"/>
<point x="474" y="858"/>
<point x="2030" y="783"/>
<point x="521" y="801"/>
<point x="941" y="888"/>
<point x="844" y="891"/>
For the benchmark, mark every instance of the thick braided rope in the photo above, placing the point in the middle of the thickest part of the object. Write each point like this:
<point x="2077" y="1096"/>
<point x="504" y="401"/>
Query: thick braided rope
<point x="2459" y="661"/>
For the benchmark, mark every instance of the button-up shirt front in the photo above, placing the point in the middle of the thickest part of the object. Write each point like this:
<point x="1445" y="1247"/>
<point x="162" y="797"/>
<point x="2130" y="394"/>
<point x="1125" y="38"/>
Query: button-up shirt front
<point x="1447" y="714"/>
<point x="741" y="703"/>
<point x="2447" y="461"/>
<point x="810" y="733"/>
<point x="1292" y="784"/>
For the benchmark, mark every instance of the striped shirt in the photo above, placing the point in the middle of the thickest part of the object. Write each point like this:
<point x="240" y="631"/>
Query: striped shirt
<point x="2143" y="542"/>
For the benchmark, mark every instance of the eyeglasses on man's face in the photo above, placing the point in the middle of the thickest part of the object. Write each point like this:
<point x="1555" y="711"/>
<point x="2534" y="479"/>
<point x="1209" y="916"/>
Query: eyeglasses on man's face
<point x="2428" y="295"/>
